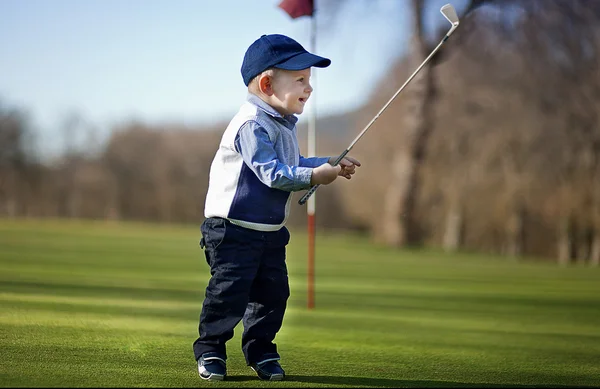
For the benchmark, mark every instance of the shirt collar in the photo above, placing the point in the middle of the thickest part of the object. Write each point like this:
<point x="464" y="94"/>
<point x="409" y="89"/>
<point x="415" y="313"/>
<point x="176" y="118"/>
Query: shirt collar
<point x="257" y="101"/>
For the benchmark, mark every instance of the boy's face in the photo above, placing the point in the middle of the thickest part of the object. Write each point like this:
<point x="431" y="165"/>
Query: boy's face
<point x="291" y="90"/>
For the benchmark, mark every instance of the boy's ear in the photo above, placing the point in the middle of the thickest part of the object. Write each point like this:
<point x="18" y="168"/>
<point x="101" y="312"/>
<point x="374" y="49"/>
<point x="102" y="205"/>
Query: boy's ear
<point x="265" y="84"/>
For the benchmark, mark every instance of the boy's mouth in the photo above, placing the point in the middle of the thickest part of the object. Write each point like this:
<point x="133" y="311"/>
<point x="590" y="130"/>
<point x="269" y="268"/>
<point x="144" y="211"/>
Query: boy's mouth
<point x="302" y="100"/>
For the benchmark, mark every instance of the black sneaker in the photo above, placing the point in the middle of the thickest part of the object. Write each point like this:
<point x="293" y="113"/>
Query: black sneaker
<point x="269" y="370"/>
<point x="212" y="367"/>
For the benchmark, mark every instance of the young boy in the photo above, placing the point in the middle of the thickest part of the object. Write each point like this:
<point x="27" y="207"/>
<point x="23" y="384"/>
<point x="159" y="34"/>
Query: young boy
<point x="254" y="172"/>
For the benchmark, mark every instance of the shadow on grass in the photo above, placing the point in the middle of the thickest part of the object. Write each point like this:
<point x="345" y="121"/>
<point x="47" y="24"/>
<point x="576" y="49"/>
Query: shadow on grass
<point x="392" y="383"/>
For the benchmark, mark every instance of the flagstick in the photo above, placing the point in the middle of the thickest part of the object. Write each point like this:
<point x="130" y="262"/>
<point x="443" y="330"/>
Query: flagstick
<point x="311" y="201"/>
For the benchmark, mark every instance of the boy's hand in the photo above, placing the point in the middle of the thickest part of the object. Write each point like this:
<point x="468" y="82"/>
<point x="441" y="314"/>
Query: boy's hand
<point x="325" y="174"/>
<point x="348" y="165"/>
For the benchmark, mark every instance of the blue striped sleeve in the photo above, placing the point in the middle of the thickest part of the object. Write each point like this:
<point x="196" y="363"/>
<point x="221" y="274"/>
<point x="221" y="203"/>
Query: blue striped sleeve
<point x="259" y="154"/>
<point x="313" y="161"/>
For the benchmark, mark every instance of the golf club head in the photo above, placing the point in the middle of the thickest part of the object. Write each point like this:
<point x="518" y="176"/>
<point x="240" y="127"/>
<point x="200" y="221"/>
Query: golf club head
<point x="450" y="13"/>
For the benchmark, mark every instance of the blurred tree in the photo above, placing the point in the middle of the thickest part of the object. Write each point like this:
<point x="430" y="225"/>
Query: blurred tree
<point x="72" y="158"/>
<point x="159" y="174"/>
<point x="515" y="100"/>
<point x="562" y="37"/>
<point x="14" y="159"/>
<point x="398" y="225"/>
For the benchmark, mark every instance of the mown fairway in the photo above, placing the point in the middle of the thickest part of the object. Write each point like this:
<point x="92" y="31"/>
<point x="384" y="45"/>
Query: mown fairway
<point x="116" y="305"/>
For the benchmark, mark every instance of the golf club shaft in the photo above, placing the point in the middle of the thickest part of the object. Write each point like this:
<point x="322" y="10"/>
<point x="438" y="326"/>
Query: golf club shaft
<point x="314" y="188"/>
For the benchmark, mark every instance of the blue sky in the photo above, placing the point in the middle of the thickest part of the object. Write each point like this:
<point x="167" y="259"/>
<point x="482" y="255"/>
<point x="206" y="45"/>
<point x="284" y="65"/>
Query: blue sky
<point x="178" y="60"/>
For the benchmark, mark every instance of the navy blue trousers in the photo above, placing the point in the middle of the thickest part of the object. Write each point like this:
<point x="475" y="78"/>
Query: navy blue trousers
<point x="249" y="282"/>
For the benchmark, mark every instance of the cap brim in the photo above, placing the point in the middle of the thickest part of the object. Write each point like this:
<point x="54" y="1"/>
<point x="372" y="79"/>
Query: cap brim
<point x="303" y="61"/>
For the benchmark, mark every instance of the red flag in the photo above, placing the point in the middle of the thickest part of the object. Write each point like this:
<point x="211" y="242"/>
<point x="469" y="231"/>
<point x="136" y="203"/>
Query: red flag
<point x="297" y="8"/>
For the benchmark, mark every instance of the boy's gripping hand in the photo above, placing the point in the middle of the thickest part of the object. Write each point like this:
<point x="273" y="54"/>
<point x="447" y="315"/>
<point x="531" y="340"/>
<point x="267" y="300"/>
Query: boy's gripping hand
<point x="348" y="165"/>
<point x="325" y="174"/>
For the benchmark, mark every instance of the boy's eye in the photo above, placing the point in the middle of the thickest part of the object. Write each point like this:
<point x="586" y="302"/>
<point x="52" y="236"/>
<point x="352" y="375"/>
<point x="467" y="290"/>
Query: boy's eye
<point x="301" y="79"/>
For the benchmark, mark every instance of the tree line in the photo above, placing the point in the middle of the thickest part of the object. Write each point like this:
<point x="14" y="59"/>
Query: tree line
<point x="495" y="147"/>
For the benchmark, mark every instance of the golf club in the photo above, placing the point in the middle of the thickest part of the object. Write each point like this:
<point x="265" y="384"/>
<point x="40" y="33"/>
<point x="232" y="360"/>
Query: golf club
<point x="449" y="13"/>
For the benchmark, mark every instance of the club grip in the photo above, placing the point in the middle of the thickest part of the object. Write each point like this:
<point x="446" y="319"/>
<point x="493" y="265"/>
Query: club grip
<point x="307" y="195"/>
<point x="314" y="188"/>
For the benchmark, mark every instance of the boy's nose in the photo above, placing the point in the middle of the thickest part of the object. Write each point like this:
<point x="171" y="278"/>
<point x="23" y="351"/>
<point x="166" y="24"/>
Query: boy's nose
<point x="309" y="89"/>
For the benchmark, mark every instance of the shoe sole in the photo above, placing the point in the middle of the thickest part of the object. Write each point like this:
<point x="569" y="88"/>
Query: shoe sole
<point x="274" y="377"/>
<point x="211" y="376"/>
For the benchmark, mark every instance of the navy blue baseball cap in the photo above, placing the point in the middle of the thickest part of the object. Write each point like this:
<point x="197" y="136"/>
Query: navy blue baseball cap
<point x="278" y="51"/>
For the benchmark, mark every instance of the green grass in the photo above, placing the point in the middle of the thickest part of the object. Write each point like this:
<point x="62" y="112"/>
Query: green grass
<point x="86" y="304"/>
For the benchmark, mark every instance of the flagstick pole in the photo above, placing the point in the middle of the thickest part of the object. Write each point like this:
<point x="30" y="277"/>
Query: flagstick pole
<point x="311" y="206"/>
